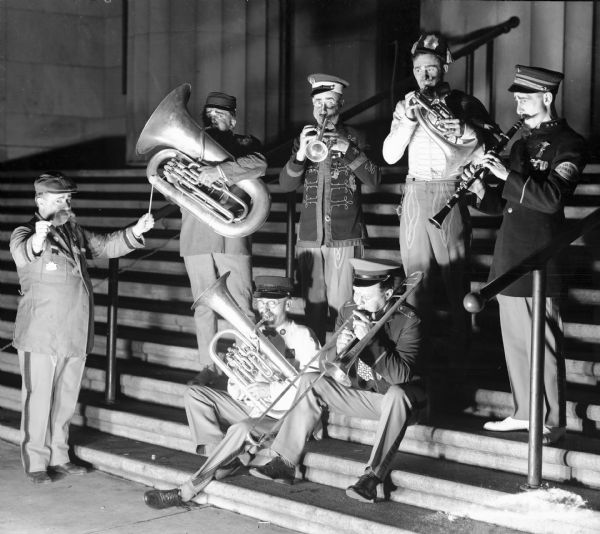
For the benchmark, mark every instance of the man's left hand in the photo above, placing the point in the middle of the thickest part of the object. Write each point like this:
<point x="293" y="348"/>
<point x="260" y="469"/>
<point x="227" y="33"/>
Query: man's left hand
<point x="496" y="167"/>
<point x="341" y="144"/>
<point x="451" y="127"/>
<point x="261" y="390"/>
<point x="361" y="324"/>
<point x="145" y="223"/>
<point x="208" y="175"/>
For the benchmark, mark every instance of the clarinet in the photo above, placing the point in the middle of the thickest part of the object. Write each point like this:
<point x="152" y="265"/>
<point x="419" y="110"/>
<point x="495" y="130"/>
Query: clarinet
<point x="481" y="173"/>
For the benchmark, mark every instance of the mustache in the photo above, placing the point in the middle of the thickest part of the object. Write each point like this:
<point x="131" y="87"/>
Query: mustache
<point x="62" y="216"/>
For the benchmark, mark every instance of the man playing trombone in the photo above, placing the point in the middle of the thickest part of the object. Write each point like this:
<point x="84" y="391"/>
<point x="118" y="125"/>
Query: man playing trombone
<point x="443" y="130"/>
<point x="210" y="411"/>
<point x="386" y="382"/>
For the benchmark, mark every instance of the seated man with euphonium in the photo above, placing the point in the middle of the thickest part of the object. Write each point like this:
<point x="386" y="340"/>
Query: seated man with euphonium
<point x="386" y="383"/>
<point x="211" y="411"/>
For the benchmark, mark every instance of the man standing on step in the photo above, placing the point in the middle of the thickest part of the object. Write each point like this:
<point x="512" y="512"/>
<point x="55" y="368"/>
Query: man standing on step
<point x="387" y="385"/>
<point x="439" y="146"/>
<point x="544" y="169"/>
<point x="54" y="327"/>
<point x="210" y="411"/>
<point x="208" y="255"/>
<point x="329" y="160"/>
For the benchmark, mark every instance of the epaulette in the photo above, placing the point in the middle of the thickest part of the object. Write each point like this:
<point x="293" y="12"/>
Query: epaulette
<point x="406" y="310"/>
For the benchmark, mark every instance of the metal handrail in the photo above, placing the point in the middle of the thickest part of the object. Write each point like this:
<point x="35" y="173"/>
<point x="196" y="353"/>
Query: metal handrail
<point x="474" y="302"/>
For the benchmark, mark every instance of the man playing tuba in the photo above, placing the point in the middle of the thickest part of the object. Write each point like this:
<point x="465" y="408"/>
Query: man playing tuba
<point x="210" y="410"/>
<point x="208" y="255"/>
<point x="440" y="142"/>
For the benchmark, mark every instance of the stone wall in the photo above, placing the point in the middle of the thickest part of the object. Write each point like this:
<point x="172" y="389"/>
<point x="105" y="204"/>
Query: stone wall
<point x="60" y="74"/>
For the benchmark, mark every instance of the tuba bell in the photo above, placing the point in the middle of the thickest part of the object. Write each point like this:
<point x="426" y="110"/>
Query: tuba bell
<point x="252" y="358"/>
<point x="230" y="210"/>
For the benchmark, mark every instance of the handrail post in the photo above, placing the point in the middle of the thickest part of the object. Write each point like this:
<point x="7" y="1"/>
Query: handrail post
<point x="489" y="76"/>
<point x="111" y="334"/>
<point x="290" y="230"/>
<point x="469" y="73"/>
<point x="536" y="379"/>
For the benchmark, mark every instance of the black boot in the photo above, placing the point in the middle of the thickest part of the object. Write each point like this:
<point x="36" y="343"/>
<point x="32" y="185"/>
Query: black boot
<point x="160" y="499"/>
<point x="365" y="489"/>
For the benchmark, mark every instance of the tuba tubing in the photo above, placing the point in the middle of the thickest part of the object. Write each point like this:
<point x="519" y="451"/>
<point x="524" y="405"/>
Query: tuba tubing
<point x="172" y="128"/>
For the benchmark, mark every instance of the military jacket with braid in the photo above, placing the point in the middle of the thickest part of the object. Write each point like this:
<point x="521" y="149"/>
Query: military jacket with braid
<point x="545" y="168"/>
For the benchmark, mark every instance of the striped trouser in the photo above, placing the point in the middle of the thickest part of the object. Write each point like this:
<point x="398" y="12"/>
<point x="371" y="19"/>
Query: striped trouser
<point x="49" y="392"/>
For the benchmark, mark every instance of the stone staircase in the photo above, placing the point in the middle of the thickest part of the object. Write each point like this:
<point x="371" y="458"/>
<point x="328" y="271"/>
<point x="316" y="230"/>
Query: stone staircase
<point x="449" y="476"/>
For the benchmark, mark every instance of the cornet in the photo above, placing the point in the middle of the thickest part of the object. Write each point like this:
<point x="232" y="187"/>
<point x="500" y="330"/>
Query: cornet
<point x="317" y="150"/>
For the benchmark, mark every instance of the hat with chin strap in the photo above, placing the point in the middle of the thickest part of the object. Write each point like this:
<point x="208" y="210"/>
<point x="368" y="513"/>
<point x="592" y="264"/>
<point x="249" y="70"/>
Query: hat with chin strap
<point x="432" y="44"/>
<point x="321" y="83"/>
<point x="371" y="272"/>
<point x="54" y="182"/>
<point x="272" y="287"/>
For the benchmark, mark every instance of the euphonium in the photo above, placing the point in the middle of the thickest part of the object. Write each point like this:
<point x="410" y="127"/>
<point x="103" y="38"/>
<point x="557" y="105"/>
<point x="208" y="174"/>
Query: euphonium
<point x="252" y="358"/>
<point x="230" y="210"/>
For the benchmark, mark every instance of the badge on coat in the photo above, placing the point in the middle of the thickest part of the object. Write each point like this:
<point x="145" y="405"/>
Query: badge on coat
<point x="51" y="266"/>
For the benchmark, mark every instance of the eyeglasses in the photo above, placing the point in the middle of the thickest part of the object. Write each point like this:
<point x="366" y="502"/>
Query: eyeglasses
<point x="271" y="304"/>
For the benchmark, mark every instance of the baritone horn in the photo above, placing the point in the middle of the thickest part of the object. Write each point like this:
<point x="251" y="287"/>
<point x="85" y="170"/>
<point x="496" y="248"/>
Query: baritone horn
<point x="252" y="357"/>
<point x="230" y="210"/>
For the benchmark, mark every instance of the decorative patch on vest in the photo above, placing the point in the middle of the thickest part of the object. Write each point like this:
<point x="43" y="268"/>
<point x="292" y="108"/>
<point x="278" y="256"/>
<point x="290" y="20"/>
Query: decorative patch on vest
<point x="567" y="171"/>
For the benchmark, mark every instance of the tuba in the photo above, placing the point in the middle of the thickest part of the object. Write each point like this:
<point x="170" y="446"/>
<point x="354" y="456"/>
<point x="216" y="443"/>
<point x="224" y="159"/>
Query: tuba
<point x="252" y="358"/>
<point x="230" y="210"/>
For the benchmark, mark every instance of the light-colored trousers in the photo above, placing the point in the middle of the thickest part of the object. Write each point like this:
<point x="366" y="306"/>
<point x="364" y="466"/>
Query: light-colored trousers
<point x="203" y="270"/>
<point x="516" y="316"/>
<point x="394" y="410"/>
<point x="49" y="392"/>
<point x="422" y="246"/>
<point x="209" y="411"/>
<point x="235" y="443"/>
<point x="326" y="282"/>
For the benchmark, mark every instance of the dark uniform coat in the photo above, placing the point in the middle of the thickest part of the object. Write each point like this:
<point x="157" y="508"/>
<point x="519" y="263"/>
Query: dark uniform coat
<point x="545" y="168"/>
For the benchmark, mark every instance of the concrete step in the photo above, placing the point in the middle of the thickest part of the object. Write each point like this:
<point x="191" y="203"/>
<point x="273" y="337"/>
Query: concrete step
<point x="463" y="498"/>
<point x="458" y="438"/>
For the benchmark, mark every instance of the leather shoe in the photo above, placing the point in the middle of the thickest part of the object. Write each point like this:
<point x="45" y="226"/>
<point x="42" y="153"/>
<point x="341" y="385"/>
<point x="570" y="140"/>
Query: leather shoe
<point x="365" y="489"/>
<point x="39" y="477"/>
<point x="507" y="425"/>
<point x="276" y="470"/>
<point x="552" y="435"/>
<point x="160" y="499"/>
<point x="228" y="469"/>
<point x="68" y="469"/>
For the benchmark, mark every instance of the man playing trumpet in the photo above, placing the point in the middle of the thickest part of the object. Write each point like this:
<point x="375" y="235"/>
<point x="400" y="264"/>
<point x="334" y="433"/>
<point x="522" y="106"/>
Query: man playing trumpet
<point x="386" y="382"/>
<point x="439" y="145"/>
<point x="330" y="161"/>
<point x="211" y="411"/>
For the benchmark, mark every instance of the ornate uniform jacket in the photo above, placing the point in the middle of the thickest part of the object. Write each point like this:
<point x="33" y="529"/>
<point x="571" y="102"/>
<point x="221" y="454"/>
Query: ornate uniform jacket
<point x="199" y="238"/>
<point x="396" y="353"/>
<point x="545" y="168"/>
<point x="331" y="212"/>
<point x="56" y="312"/>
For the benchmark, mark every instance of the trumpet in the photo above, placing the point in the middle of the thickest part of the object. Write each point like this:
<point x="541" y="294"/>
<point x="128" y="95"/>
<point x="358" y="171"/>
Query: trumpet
<point x="316" y="149"/>
<point x="481" y="173"/>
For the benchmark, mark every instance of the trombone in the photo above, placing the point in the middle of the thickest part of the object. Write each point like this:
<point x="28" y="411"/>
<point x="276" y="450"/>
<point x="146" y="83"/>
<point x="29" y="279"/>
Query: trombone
<point x="338" y="368"/>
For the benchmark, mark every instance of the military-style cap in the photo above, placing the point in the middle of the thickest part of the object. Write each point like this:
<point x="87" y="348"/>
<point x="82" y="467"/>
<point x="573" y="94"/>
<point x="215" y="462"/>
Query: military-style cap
<point x="221" y="101"/>
<point x="272" y="287"/>
<point x="432" y="44"/>
<point x="535" y="80"/>
<point x="322" y="83"/>
<point x="54" y="182"/>
<point x="370" y="272"/>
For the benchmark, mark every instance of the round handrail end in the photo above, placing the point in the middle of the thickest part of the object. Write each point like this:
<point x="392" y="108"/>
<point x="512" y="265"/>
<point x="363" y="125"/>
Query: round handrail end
<point x="473" y="302"/>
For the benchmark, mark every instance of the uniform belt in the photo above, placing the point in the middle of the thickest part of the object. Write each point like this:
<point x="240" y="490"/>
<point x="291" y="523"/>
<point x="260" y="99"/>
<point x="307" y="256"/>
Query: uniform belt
<point x="412" y="179"/>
